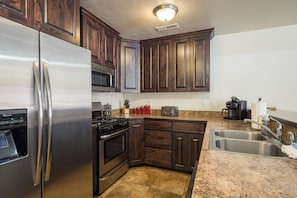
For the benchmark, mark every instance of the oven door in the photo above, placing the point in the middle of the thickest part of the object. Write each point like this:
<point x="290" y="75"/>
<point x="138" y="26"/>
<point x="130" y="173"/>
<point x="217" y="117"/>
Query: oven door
<point x="112" y="151"/>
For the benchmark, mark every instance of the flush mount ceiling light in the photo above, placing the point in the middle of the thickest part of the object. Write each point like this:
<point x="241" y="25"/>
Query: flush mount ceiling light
<point x="165" y="12"/>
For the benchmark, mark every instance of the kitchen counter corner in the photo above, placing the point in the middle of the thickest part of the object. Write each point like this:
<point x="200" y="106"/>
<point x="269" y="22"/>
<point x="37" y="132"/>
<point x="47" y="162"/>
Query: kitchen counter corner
<point x="227" y="174"/>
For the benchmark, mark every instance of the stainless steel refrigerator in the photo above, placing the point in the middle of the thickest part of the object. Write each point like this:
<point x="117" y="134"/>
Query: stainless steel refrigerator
<point x="51" y="79"/>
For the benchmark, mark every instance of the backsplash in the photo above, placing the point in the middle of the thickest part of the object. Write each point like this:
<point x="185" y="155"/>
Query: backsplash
<point x="286" y="128"/>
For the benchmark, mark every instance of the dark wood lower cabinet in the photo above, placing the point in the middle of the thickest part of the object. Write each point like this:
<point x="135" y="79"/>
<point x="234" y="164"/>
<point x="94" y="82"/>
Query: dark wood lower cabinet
<point x="158" y="157"/>
<point x="171" y="144"/>
<point x="136" y="142"/>
<point x="158" y="139"/>
<point x="186" y="150"/>
<point x="158" y="148"/>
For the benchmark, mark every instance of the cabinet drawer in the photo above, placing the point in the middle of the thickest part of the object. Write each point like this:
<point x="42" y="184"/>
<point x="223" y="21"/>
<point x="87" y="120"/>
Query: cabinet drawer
<point x="157" y="125"/>
<point x="189" y="127"/>
<point x="158" y="139"/>
<point x="158" y="157"/>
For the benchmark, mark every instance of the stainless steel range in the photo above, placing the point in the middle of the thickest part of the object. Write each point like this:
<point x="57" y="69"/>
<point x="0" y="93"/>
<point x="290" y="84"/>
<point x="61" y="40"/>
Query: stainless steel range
<point x="110" y="151"/>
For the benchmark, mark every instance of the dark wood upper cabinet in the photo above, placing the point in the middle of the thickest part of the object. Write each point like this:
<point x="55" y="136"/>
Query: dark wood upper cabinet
<point x="21" y="11"/>
<point x="101" y="39"/>
<point x="200" y="66"/>
<point x="181" y="65"/>
<point x="110" y="48"/>
<point x="178" y="63"/>
<point x="155" y="66"/>
<point x="130" y="68"/>
<point x="118" y="64"/>
<point x="92" y="36"/>
<point x="163" y="65"/>
<point x="148" y="67"/>
<point x="57" y="18"/>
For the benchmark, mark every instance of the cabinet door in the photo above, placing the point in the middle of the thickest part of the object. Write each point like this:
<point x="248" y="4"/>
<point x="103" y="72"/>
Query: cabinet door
<point x="148" y="68"/>
<point x="200" y="66"/>
<point x="59" y="18"/>
<point x="130" y="66"/>
<point x="194" y="144"/>
<point x="164" y="75"/>
<point x="21" y="11"/>
<point x="118" y="64"/>
<point x="110" y="48"/>
<point x="92" y="37"/>
<point x="179" y="151"/>
<point x="186" y="150"/>
<point x="181" y="65"/>
<point x="136" y="142"/>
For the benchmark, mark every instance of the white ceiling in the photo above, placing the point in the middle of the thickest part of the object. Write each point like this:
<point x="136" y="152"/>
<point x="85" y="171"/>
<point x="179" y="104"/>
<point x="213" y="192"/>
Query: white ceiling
<point x="134" y="19"/>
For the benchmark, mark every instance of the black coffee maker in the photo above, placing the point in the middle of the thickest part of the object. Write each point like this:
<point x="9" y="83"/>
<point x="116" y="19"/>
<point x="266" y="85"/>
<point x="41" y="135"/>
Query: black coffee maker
<point x="235" y="109"/>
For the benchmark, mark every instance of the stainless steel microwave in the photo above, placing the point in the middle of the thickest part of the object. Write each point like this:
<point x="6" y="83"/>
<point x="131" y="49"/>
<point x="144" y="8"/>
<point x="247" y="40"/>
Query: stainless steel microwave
<point x="103" y="78"/>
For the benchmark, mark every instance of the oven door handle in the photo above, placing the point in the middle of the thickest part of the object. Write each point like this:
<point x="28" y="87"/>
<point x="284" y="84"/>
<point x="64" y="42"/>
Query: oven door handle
<point x="104" y="137"/>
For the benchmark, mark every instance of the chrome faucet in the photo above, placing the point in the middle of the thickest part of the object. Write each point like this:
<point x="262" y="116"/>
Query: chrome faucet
<point x="279" y="129"/>
<point x="263" y="126"/>
<point x="273" y="137"/>
<point x="291" y="137"/>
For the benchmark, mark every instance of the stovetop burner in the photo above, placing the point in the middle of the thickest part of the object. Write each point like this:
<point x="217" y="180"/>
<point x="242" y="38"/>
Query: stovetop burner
<point x="109" y="125"/>
<point x="104" y="120"/>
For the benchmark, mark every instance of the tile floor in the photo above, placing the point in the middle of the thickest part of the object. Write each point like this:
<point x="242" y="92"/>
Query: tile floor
<point x="149" y="182"/>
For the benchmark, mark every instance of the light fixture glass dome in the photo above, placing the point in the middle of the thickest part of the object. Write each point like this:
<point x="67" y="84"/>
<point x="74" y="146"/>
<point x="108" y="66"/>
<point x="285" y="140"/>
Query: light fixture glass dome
<point x="165" y="12"/>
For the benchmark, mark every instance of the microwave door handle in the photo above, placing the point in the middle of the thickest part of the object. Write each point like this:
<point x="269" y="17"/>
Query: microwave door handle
<point x="111" y="79"/>
<point x="115" y="78"/>
<point x="50" y="122"/>
<point x="39" y="123"/>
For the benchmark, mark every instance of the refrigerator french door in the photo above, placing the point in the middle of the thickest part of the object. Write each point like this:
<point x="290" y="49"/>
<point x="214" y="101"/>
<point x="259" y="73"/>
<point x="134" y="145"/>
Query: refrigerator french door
<point x="51" y="79"/>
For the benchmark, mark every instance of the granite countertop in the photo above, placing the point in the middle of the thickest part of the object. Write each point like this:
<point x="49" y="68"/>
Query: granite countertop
<point x="228" y="174"/>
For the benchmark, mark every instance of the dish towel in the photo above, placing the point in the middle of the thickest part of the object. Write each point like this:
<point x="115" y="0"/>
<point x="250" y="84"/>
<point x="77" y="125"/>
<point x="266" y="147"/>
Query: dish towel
<point x="290" y="150"/>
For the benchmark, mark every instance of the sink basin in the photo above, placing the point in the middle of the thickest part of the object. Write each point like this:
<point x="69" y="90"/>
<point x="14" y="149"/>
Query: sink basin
<point x="237" y="134"/>
<point x="250" y="147"/>
<point x="249" y="142"/>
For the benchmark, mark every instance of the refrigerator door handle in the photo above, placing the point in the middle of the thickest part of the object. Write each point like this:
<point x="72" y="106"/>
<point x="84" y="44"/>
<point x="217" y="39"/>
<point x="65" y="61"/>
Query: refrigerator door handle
<point x="39" y="123"/>
<point x="50" y="122"/>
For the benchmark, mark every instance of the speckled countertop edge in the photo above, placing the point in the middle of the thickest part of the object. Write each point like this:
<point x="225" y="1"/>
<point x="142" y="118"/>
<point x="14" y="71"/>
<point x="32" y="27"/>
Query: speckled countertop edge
<point x="227" y="174"/>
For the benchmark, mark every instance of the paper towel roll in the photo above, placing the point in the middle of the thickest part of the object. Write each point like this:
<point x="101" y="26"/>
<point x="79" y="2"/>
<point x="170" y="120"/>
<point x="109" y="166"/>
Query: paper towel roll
<point x="258" y="109"/>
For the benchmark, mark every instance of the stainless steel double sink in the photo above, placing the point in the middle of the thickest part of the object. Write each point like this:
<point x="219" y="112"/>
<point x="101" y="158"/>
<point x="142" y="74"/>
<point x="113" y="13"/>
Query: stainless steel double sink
<point x="249" y="142"/>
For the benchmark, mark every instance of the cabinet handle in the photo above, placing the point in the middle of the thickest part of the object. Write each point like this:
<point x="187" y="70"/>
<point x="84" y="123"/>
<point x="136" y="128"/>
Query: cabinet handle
<point x="136" y="125"/>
